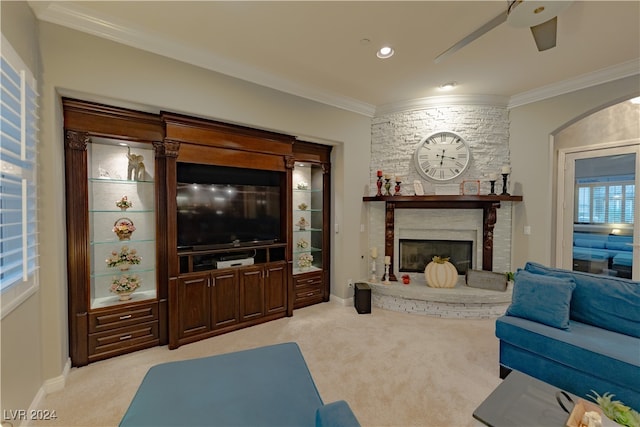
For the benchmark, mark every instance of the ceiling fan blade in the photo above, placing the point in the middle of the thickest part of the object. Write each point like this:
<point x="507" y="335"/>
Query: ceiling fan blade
<point x="471" y="37"/>
<point x="545" y="34"/>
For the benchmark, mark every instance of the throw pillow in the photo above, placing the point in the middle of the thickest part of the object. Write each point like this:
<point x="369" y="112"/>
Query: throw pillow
<point x="542" y="299"/>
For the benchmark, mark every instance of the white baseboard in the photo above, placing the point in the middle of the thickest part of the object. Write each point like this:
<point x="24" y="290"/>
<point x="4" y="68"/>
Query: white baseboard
<point x="49" y="386"/>
<point x="57" y="383"/>
<point x="342" y="301"/>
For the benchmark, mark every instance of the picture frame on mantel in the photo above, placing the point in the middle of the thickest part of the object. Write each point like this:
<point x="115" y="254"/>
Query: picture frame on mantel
<point x="470" y="188"/>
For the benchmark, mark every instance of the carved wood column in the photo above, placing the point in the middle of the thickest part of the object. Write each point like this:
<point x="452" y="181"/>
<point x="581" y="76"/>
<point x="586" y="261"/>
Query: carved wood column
<point x="165" y="154"/>
<point x="389" y="236"/>
<point x="489" y="215"/>
<point x="75" y="153"/>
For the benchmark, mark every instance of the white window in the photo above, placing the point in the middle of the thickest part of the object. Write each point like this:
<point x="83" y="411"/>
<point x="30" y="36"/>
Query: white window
<point x="18" y="191"/>
<point x="605" y="200"/>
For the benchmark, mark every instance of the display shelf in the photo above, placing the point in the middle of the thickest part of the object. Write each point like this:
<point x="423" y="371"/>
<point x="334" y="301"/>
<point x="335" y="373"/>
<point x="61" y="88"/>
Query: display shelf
<point x="103" y="180"/>
<point x="114" y="300"/>
<point x="307" y="250"/>
<point x="308" y="229"/>
<point x="297" y="270"/>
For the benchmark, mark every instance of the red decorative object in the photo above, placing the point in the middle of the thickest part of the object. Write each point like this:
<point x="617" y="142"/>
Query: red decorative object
<point x="379" y="184"/>
<point x="406" y="279"/>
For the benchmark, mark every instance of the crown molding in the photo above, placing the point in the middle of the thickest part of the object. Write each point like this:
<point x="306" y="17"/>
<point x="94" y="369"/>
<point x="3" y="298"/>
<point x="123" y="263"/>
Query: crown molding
<point x="72" y="15"/>
<point x="584" y="81"/>
<point x="440" y="101"/>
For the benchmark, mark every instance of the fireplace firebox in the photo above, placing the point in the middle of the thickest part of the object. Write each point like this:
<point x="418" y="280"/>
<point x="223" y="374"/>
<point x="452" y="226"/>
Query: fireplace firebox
<point x="416" y="254"/>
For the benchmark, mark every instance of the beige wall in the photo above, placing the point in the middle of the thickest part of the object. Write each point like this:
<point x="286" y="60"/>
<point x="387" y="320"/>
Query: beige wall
<point x="532" y="160"/>
<point x="21" y="329"/>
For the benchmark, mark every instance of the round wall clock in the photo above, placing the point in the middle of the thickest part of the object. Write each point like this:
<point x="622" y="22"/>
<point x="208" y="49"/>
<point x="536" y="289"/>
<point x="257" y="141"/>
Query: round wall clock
<point x="442" y="156"/>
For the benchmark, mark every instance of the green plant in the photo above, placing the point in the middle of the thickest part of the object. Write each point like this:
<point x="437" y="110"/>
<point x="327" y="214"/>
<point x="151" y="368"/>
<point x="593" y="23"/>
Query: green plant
<point x="510" y="276"/>
<point x="616" y="410"/>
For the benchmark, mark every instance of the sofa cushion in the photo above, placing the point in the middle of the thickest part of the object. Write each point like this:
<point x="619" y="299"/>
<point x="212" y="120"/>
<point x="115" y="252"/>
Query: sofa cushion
<point x="542" y="298"/>
<point x="619" y="246"/>
<point x="590" y="243"/>
<point x="583" y="347"/>
<point x="608" y="302"/>
<point x="624" y="259"/>
<point x="590" y="254"/>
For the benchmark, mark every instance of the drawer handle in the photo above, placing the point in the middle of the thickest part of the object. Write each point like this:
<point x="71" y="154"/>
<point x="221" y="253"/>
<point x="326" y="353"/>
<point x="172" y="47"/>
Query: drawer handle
<point x="127" y="316"/>
<point x="125" y="337"/>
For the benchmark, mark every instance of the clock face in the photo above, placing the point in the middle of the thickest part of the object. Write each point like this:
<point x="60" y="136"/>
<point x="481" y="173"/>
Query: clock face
<point x="442" y="156"/>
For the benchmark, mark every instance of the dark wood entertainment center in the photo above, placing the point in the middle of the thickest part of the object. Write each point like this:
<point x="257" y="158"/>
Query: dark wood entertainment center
<point x="184" y="295"/>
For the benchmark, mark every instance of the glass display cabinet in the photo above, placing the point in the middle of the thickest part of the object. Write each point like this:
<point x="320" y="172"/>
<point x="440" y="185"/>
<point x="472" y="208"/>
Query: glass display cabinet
<point x="310" y="223"/>
<point x="114" y="166"/>
<point x="121" y="223"/>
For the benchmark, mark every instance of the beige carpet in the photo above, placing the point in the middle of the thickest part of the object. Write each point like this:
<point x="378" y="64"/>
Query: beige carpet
<point x="394" y="369"/>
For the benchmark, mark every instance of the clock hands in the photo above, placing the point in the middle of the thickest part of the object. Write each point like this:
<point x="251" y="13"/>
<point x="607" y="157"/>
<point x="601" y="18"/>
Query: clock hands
<point x="442" y="157"/>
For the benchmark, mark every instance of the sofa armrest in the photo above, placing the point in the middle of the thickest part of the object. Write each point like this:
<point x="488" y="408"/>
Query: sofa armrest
<point x="336" y="414"/>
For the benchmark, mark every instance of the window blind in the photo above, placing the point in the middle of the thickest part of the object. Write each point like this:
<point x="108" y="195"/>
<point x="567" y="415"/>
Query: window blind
<point x="18" y="157"/>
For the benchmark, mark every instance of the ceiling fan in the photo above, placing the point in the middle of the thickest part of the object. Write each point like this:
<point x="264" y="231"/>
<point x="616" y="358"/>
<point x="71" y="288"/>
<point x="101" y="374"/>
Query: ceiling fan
<point x="540" y="16"/>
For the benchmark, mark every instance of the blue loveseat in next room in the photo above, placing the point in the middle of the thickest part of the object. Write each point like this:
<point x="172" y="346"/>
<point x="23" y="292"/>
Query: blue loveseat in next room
<point x="603" y="253"/>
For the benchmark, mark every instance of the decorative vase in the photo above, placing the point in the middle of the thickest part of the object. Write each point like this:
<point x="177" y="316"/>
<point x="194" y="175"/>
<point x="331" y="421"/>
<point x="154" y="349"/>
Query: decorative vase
<point x="124" y="296"/>
<point x="440" y="273"/>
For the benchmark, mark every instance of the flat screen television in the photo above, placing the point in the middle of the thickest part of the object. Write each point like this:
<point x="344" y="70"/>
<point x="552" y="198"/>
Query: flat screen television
<point x="221" y="207"/>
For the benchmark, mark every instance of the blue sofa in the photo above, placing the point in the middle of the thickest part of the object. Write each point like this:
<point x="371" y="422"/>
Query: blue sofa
<point x="266" y="386"/>
<point x="577" y="331"/>
<point x="594" y="252"/>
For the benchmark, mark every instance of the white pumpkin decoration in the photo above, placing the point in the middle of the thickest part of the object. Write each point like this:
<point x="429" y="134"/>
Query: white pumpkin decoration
<point x="440" y="273"/>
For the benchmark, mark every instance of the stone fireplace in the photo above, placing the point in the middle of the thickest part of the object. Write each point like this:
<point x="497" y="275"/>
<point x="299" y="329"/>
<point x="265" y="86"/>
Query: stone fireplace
<point x="452" y="225"/>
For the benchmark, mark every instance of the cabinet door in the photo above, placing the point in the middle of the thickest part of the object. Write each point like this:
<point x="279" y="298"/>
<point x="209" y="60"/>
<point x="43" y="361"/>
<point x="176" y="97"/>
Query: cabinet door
<point x="224" y="299"/>
<point x="251" y="293"/>
<point x="193" y="301"/>
<point x="276" y="287"/>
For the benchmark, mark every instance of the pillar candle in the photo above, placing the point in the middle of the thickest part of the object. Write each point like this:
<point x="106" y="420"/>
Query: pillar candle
<point x="379" y="173"/>
<point x="374" y="252"/>
<point x="493" y="177"/>
<point x="387" y="260"/>
<point x="506" y="169"/>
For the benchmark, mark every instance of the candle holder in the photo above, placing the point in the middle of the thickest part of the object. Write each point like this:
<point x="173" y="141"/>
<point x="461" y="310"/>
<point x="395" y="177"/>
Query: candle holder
<point x="373" y="270"/>
<point x="504" y="184"/>
<point x="397" y="188"/>
<point x="379" y="184"/>
<point x="493" y="187"/>
<point x="387" y="186"/>
<point x="386" y="275"/>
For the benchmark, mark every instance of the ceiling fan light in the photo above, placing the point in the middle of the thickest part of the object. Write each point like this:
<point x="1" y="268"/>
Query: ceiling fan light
<point x="545" y="34"/>
<point x="529" y="13"/>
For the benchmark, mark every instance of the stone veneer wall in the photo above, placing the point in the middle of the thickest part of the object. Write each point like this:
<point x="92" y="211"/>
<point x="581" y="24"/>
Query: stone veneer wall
<point x="394" y="137"/>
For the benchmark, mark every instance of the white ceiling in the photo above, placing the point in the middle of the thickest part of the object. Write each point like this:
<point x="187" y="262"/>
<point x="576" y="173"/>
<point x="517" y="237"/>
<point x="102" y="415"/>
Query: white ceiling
<point x="314" y="49"/>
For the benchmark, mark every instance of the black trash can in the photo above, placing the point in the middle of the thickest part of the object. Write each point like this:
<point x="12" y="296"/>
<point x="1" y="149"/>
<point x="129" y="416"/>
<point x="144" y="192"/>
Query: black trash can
<point x="362" y="298"/>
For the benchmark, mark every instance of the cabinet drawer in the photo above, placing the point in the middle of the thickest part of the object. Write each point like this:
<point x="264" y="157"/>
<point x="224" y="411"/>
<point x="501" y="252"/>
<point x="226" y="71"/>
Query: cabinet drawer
<point x="314" y="279"/>
<point x="308" y="292"/>
<point x="111" y="341"/>
<point x="113" y="319"/>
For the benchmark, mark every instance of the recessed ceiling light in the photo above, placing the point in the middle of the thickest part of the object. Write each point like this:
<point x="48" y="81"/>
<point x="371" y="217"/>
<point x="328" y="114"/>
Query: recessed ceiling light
<point x="635" y="100"/>
<point x="448" y="85"/>
<point x="385" y="52"/>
